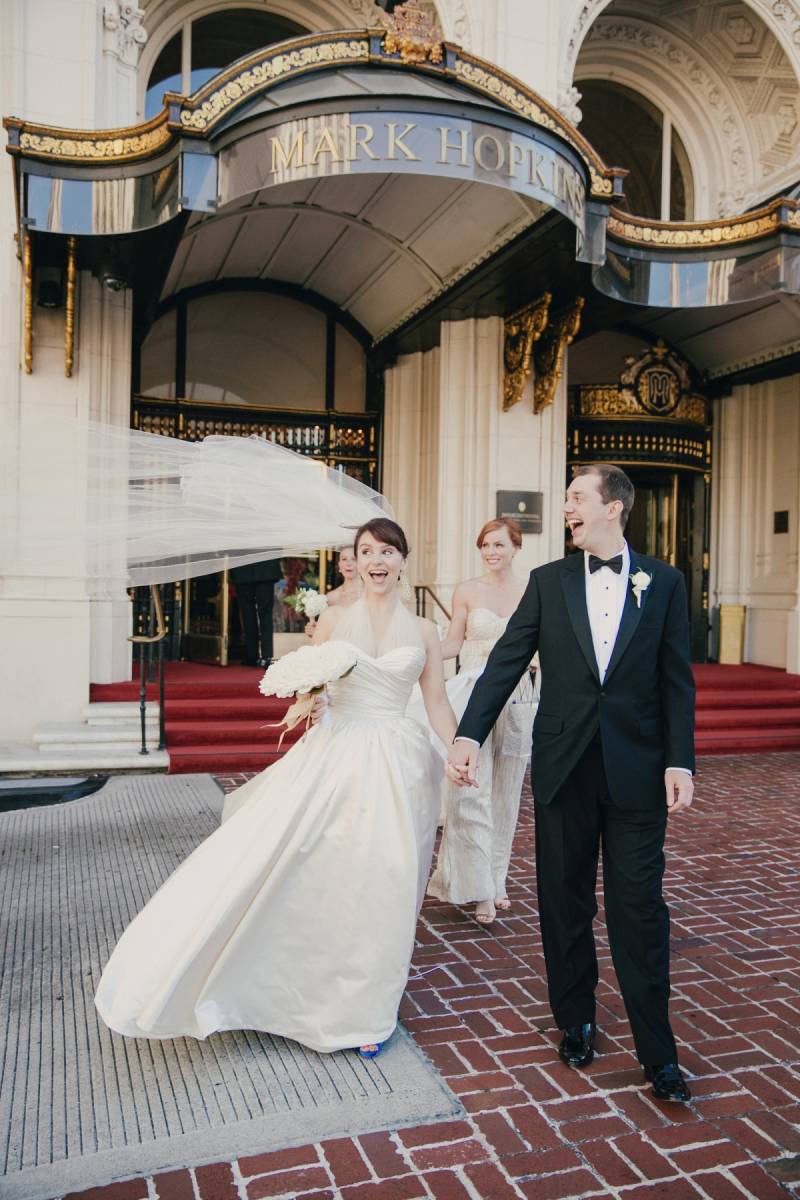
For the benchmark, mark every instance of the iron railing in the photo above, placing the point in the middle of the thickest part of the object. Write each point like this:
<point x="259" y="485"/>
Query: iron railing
<point x="147" y="643"/>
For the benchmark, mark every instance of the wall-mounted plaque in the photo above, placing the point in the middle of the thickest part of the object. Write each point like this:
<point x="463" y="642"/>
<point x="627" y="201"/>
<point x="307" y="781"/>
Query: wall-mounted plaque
<point x="780" y="521"/>
<point x="525" y="507"/>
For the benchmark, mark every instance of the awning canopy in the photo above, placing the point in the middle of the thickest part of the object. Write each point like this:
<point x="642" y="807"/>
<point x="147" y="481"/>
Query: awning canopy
<point x="378" y="176"/>
<point x="374" y="176"/>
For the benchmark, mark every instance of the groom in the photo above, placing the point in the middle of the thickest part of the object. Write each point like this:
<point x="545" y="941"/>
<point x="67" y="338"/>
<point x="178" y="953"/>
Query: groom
<point x="613" y="756"/>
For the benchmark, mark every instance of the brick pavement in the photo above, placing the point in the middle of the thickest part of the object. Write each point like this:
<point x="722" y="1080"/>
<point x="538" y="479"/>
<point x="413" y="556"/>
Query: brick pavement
<point x="476" y="1005"/>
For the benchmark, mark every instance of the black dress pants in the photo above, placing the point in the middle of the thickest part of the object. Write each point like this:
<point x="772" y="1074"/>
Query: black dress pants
<point x="569" y="834"/>
<point x="255" y="605"/>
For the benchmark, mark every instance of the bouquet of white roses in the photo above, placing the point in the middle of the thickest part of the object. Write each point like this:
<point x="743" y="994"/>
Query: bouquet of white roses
<point x="304" y="673"/>
<point x="308" y="602"/>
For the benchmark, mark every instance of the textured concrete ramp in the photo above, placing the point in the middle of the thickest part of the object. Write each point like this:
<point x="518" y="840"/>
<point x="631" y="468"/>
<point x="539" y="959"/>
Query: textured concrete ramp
<point x="80" y="1105"/>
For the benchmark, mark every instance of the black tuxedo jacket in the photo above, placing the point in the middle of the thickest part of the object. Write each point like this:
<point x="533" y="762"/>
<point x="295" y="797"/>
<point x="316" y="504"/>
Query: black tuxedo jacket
<point x="266" y="571"/>
<point x="644" y="709"/>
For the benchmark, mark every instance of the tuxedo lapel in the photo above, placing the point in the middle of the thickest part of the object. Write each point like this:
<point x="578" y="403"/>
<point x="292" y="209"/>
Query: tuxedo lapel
<point x="631" y="616"/>
<point x="573" y="581"/>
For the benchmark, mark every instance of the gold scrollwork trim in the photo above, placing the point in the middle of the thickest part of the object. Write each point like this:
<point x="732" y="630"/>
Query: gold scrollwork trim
<point x="27" y="278"/>
<point x="609" y="401"/>
<point x="549" y="354"/>
<point x="522" y="330"/>
<point x="493" y="82"/>
<point x="200" y="114"/>
<point x="69" y="311"/>
<point x="685" y="235"/>
<point x="71" y="145"/>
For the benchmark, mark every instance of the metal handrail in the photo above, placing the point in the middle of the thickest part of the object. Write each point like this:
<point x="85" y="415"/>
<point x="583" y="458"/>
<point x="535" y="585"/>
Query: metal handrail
<point x="143" y="640"/>
<point x="421" y="590"/>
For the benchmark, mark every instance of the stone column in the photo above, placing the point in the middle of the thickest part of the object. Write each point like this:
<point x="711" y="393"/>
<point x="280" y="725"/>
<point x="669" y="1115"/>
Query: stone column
<point x="449" y="448"/>
<point x="105" y="367"/>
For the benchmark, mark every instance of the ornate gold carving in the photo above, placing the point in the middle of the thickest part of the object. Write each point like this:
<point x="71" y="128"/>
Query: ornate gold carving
<point x="414" y="35"/>
<point x="656" y="384"/>
<point x="687" y="235"/>
<point x="69" y="317"/>
<point x="611" y="401"/>
<point x="658" y="379"/>
<point x="481" y="75"/>
<point x="522" y="330"/>
<point x="261" y="75"/>
<point x="114" y="145"/>
<point x="27" y="278"/>
<point x="549" y="355"/>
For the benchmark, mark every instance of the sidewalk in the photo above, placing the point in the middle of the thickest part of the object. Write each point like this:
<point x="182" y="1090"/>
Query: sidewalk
<point x="476" y="1006"/>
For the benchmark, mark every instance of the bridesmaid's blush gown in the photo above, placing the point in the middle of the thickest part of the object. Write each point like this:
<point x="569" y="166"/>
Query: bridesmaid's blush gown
<point x="297" y="916"/>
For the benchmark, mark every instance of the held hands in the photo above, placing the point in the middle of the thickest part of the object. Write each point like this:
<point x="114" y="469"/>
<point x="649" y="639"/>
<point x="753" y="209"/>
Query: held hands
<point x="461" y="767"/>
<point x="680" y="790"/>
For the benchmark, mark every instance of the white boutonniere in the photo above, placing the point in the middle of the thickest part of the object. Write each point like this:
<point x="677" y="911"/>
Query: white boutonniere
<point x="640" y="582"/>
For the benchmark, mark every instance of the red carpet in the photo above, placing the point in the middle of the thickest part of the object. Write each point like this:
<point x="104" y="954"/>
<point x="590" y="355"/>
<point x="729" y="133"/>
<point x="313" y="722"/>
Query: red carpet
<point x="746" y="710"/>
<point x="215" y="716"/>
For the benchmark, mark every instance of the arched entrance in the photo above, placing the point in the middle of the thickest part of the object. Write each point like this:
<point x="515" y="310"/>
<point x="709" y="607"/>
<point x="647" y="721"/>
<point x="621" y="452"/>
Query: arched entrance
<point x="641" y="407"/>
<point x="279" y="227"/>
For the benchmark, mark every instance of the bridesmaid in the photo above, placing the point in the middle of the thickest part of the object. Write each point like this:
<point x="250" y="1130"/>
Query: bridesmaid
<point x="350" y="589"/>
<point x="347" y="592"/>
<point x="479" y="822"/>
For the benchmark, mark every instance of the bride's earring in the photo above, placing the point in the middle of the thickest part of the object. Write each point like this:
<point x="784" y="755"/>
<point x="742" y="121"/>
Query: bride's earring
<point x="406" y="591"/>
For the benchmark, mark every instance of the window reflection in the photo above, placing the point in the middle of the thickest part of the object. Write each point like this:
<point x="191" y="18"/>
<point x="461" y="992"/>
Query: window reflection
<point x="222" y="37"/>
<point x="254" y="349"/>
<point x="164" y="77"/>
<point x="212" y="43"/>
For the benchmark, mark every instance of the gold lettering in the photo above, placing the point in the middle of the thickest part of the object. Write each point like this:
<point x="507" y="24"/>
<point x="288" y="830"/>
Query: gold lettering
<point x="445" y="145"/>
<point x="296" y="151"/>
<point x="499" y="152"/>
<point x="396" y="141"/>
<point x="516" y="157"/>
<point x="325" y="145"/>
<point x="536" y="176"/>
<point x="360" y="137"/>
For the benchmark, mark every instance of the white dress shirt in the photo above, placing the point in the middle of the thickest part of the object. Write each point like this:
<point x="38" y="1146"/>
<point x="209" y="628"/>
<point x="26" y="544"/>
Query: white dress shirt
<point x="605" y="599"/>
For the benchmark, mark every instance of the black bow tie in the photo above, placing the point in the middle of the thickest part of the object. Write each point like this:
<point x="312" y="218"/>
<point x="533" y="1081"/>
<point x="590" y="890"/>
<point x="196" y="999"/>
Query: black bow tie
<point x="596" y="563"/>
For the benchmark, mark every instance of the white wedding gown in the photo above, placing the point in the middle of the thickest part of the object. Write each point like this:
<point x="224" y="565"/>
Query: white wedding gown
<point x="297" y="916"/>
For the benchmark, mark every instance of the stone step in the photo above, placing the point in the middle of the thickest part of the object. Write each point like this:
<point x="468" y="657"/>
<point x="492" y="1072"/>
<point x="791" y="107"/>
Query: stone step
<point x="23" y="759"/>
<point x="122" y="737"/>
<point x="111" y="712"/>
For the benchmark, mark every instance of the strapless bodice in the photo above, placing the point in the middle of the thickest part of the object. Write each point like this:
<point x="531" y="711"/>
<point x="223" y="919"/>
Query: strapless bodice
<point x="378" y="688"/>
<point x="484" y="629"/>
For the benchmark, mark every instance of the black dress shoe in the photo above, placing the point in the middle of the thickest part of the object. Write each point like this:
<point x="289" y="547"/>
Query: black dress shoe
<point x="668" y="1083"/>
<point x="576" y="1048"/>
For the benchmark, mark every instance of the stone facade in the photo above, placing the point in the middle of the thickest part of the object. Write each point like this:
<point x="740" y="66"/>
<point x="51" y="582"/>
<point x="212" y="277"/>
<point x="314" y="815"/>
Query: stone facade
<point x="728" y="75"/>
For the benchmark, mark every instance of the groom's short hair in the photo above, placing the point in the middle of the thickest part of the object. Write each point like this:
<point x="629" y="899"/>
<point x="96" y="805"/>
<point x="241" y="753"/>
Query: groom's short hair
<point x="614" y="485"/>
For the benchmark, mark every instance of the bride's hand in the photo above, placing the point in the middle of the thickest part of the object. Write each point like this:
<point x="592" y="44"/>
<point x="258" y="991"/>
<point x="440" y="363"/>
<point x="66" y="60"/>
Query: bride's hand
<point x="319" y="709"/>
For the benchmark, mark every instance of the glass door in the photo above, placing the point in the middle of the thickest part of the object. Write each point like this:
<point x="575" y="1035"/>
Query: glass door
<point x="670" y="521"/>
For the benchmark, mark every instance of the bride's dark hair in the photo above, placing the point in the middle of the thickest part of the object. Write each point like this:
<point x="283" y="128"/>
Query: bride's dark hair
<point x="386" y="531"/>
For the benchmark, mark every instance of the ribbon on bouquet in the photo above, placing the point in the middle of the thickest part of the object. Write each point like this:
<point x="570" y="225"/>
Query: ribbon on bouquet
<point x="300" y="711"/>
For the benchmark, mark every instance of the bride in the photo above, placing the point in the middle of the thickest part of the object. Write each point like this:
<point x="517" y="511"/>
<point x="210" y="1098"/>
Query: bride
<point x="297" y="917"/>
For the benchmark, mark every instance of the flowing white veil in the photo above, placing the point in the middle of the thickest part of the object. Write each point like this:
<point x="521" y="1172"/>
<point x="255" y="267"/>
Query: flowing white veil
<point x="121" y="503"/>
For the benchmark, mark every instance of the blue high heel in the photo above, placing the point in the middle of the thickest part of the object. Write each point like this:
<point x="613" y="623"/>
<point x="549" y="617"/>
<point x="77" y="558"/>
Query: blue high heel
<point x="371" y="1053"/>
